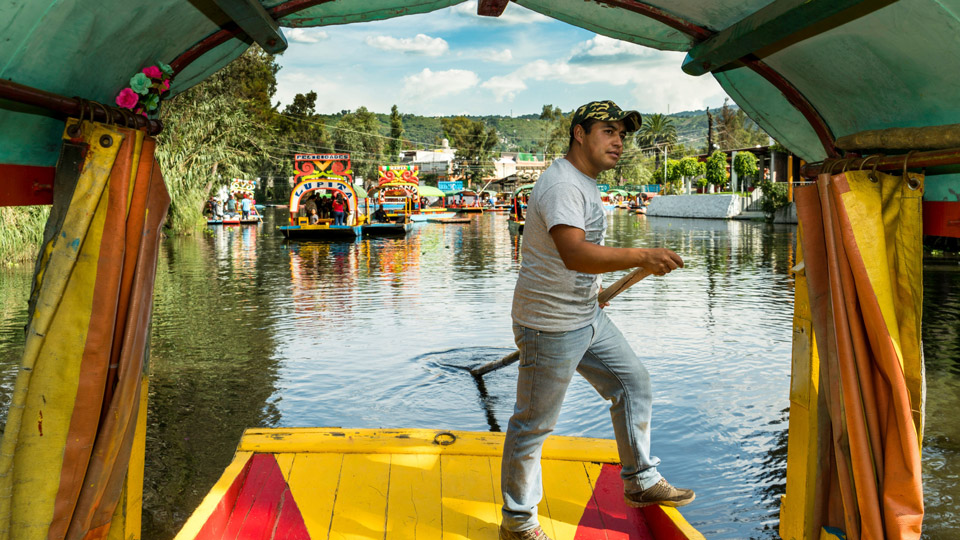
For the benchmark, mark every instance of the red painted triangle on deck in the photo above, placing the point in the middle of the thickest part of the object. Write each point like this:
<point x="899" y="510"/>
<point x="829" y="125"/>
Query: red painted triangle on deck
<point x="606" y="516"/>
<point x="263" y="507"/>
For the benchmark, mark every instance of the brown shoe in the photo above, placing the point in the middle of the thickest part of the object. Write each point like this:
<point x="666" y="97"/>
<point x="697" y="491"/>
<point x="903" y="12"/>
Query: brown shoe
<point x="535" y="533"/>
<point x="659" y="493"/>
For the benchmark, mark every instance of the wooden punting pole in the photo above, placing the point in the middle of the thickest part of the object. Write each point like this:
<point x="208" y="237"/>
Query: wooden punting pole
<point x="76" y="107"/>
<point x="932" y="158"/>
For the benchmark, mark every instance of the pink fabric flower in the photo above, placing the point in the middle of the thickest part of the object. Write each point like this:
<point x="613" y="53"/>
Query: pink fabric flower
<point x="153" y="72"/>
<point x="165" y="85"/>
<point x="127" y="98"/>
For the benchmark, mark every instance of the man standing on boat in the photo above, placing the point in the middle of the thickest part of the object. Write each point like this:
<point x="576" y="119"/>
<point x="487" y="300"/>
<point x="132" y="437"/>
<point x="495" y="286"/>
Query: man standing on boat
<point x="559" y="327"/>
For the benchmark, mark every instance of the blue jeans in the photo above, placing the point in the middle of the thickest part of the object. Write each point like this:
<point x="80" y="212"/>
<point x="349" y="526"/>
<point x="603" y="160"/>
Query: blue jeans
<point x="601" y="354"/>
<point x="338" y="218"/>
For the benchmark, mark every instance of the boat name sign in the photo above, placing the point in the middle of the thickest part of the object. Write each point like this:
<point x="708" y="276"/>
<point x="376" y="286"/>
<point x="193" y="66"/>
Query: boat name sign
<point x="312" y="185"/>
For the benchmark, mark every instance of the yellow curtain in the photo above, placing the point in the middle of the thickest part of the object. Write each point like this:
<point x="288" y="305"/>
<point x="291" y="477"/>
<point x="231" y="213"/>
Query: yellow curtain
<point x="74" y="409"/>
<point x="861" y="240"/>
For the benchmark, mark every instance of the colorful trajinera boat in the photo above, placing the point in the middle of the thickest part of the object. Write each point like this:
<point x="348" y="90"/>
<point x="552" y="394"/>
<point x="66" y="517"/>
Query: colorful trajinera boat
<point x="401" y="194"/>
<point x="239" y="189"/>
<point x="465" y="201"/>
<point x="518" y="201"/>
<point x="323" y="174"/>
<point x="72" y="456"/>
<point x="431" y="212"/>
<point x="414" y="483"/>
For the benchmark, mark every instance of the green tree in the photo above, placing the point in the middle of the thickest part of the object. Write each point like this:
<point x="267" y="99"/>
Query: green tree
<point x="215" y="131"/>
<point x="745" y="165"/>
<point x="359" y="134"/>
<point x="774" y="197"/>
<point x="302" y="129"/>
<point x="674" y="176"/>
<point x="655" y="131"/>
<point x="688" y="167"/>
<point x="716" y="166"/>
<point x="735" y="130"/>
<point x="556" y="131"/>
<point x="396" y="131"/>
<point x="474" y="142"/>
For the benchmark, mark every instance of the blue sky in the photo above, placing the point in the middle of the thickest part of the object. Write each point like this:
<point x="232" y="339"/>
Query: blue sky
<point x="452" y="61"/>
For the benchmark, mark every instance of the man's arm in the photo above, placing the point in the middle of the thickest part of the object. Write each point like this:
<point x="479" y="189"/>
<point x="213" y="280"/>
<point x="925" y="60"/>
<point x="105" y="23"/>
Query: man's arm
<point x="582" y="256"/>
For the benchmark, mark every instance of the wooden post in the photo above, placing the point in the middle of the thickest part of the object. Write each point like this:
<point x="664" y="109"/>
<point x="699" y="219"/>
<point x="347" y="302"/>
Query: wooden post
<point x="799" y="519"/>
<point x="790" y="178"/>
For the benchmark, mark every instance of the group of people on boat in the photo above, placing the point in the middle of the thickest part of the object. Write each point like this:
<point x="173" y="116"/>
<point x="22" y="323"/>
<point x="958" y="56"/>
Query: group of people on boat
<point x="327" y="208"/>
<point x="240" y="204"/>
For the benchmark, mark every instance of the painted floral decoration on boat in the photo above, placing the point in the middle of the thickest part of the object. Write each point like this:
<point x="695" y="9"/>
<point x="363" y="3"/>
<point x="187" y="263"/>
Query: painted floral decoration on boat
<point x="146" y="90"/>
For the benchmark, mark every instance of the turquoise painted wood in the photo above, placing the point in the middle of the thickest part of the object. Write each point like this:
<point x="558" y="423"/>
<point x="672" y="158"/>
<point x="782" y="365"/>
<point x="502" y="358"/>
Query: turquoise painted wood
<point x="898" y="66"/>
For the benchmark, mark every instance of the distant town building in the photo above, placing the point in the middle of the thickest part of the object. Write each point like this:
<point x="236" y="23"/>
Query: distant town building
<point x="437" y="162"/>
<point x="513" y="169"/>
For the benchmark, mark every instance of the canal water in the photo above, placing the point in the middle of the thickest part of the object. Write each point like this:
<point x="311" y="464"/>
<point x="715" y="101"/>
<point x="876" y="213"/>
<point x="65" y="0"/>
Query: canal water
<point x="252" y="331"/>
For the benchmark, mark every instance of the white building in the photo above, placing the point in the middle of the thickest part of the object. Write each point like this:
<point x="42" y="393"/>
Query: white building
<point x="438" y="161"/>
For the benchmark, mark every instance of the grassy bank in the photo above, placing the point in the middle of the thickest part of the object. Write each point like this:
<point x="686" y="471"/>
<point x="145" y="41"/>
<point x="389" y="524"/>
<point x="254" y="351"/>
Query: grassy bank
<point x="21" y="232"/>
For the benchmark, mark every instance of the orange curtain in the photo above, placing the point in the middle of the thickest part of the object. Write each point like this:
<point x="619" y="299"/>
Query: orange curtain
<point x="861" y="240"/>
<point x="76" y="400"/>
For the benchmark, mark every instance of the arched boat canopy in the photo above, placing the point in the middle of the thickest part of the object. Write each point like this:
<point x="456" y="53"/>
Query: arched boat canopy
<point x="807" y="72"/>
<point x="409" y="190"/>
<point x="324" y="184"/>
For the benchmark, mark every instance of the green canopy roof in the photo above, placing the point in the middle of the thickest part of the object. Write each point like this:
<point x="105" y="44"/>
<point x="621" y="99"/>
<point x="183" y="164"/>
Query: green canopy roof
<point x="429" y="191"/>
<point x="525" y="187"/>
<point x="781" y="67"/>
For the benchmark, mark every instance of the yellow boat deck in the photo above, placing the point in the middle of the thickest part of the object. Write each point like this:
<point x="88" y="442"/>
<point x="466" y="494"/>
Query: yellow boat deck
<point x="414" y="484"/>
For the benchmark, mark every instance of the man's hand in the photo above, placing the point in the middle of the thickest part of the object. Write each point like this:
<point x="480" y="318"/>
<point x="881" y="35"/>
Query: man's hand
<point x="605" y="304"/>
<point x="661" y="261"/>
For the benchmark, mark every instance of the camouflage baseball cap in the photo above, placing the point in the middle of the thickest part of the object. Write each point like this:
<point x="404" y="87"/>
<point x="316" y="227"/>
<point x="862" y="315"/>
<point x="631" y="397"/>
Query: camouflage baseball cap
<point x="606" y="111"/>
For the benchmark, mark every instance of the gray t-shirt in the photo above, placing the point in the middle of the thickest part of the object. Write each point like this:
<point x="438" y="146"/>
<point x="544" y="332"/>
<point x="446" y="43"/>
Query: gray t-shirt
<point x="548" y="296"/>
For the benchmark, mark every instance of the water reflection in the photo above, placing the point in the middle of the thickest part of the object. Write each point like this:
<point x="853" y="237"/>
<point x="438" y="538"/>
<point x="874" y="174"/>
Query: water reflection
<point x="251" y="330"/>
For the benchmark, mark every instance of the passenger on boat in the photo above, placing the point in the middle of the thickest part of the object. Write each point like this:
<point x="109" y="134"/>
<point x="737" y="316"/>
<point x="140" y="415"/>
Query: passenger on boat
<point x="560" y="329"/>
<point x="314" y="218"/>
<point x="324" y="208"/>
<point x="231" y="205"/>
<point x="337" y="207"/>
<point x="217" y="209"/>
<point x="245" y="204"/>
<point x="380" y="215"/>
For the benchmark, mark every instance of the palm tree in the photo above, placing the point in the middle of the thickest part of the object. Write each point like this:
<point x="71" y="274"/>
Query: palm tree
<point x="656" y="130"/>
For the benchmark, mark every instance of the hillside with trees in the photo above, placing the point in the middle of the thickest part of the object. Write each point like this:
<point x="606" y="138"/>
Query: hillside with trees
<point x="230" y="126"/>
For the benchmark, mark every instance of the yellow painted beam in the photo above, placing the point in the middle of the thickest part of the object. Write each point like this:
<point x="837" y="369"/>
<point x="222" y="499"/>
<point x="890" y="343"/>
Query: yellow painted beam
<point x="416" y="441"/>
<point x="681" y="523"/>
<point x="313" y="481"/>
<point x="361" y="506"/>
<point x="797" y="507"/>
<point x="413" y="505"/>
<point x="469" y="504"/>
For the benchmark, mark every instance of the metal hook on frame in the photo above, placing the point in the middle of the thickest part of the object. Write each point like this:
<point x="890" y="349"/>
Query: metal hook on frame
<point x="872" y="175"/>
<point x="912" y="183"/>
<point x="74" y="130"/>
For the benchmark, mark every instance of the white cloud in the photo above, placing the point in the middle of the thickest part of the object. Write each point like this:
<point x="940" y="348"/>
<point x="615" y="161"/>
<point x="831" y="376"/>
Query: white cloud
<point x="505" y="87"/>
<point x="513" y="14"/>
<point x="605" y="49"/>
<point x="421" y="44"/>
<point x="431" y="84"/>
<point x="305" y="35"/>
<point x="652" y="77"/>
<point x="501" y="56"/>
